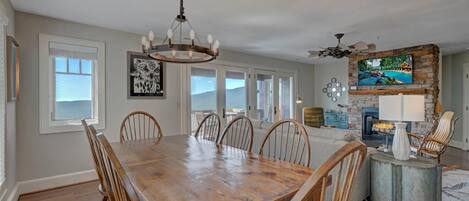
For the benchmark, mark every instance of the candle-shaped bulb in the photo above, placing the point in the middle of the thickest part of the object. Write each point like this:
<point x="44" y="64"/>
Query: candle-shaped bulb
<point x="151" y="36"/>
<point x="190" y="53"/>
<point x="173" y="52"/>
<point x="216" y="45"/>
<point x="144" y="40"/>
<point x="170" y="33"/>
<point x="192" y="34"/>
<point x="210" y="39"/>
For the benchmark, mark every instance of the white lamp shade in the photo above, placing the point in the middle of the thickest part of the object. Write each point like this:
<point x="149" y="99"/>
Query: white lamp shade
<point x="402" y="108"/>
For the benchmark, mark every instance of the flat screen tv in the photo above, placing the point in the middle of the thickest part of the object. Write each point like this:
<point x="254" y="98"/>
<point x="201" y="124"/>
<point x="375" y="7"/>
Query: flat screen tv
<point x="392" y="70"/>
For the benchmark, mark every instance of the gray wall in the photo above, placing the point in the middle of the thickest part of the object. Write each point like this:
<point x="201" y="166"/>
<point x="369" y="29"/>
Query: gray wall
<point x="453" y="87"/>
<point x="10" y="149"/>
<point x="322" y="75"/>
<point x="53" y="154"/>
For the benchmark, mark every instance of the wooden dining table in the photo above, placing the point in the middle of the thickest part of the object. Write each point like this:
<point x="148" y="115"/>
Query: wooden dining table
<point x="187" y="168"/>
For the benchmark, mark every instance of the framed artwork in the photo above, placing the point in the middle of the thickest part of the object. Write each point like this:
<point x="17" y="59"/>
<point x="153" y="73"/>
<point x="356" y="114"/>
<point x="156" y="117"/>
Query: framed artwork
<point x="145" y="77"/>
<point x="13" y="69"/>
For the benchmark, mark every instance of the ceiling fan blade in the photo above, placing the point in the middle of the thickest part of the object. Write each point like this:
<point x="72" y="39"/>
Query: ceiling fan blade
<point x="314" y="54"/>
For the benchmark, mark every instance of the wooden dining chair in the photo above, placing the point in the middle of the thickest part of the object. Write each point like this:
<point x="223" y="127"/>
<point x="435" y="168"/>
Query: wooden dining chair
<point x="239" y="133"/>
<point x="120" y="188"/>
<point x="287" y="140"/>
<point x="435" y="142"/>
<point x="139" y="125"/>
<point x="91" y="136"/>
<point x="209" y="128"/>
<point x="338" y="172"/>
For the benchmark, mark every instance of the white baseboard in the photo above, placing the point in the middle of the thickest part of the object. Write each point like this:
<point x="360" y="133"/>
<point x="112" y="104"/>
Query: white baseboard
<point x="457" y="144"/>
<point x="14" y="196"/>
<point x="35" y="185"/>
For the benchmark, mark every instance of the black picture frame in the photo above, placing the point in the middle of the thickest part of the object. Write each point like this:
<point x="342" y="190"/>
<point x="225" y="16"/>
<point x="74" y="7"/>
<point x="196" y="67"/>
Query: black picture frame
<point x="145" y="77"/>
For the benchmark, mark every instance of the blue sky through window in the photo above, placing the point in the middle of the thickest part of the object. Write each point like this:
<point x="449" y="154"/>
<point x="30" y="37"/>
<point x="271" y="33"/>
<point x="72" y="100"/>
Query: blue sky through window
<point x="202" y="84"/>
<point x="73" y="87"/>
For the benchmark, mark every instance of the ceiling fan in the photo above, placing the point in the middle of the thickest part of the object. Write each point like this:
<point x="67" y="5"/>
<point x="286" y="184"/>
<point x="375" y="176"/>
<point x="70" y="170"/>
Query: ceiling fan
<point x="342" y="50"/>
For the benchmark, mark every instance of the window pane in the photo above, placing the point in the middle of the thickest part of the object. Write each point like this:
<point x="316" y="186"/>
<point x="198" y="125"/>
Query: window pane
<point x="61" y="64"/>
<point x="285" y="97"/>
<point x="73" y="65"/>
<point x="235" y="101"/>
<point x="86" y="66"/>
<point x="73" y="96"/>
<point x="203" y="94"/>
<point x="265" y="103"/>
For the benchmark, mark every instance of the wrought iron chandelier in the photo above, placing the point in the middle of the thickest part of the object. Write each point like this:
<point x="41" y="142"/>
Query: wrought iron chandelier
<point x="173" y="49"/>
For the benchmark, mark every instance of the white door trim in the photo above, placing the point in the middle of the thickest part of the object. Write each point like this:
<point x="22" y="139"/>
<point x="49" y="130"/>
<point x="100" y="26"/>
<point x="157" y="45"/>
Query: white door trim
<point x="465" y="117"/>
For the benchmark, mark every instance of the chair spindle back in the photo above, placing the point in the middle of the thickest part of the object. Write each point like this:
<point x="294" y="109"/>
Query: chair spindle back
<point x="120" y="187"/>
<point x="287" y="140"/>
<point x="209" y="128"/>
<point x="239" y="133"/>
<point x="338" y="172"/>
<point x="139" y="125"/>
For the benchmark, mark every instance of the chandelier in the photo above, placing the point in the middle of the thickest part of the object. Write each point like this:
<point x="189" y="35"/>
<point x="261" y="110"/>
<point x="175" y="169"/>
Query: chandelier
<point x="175" y="48"/>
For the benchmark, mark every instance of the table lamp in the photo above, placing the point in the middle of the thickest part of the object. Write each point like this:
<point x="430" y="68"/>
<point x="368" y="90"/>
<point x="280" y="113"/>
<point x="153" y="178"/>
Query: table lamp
<point x="401" y="108"/>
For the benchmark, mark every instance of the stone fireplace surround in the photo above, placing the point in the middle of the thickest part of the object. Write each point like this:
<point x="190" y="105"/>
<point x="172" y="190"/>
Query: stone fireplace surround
<point x="425" y="75"/>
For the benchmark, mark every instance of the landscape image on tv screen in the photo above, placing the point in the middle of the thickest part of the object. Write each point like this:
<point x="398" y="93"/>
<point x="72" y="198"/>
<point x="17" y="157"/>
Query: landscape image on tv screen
<point x="393" y="70"/>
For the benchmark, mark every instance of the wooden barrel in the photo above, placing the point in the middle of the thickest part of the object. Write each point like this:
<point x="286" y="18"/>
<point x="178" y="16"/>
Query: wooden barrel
<point x="313" y="116"/>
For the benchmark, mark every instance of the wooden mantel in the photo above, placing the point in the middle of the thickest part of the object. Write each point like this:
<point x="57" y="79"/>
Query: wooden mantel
<point x="387" y="92"/>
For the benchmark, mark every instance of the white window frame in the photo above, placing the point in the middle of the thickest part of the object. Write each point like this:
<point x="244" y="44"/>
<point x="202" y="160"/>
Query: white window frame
<point x="47" y="86"/>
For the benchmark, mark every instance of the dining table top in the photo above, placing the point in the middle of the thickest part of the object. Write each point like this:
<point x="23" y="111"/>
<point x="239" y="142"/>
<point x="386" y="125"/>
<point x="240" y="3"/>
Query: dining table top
<point x="183" y="167"/>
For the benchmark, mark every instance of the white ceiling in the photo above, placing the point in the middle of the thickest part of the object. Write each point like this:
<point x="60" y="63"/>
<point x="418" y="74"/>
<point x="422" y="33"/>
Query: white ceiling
<point x="283" y="29"/>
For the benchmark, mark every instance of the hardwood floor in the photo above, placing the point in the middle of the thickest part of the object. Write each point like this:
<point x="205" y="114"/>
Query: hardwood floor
<point x="456" y="158"/>
<point x="80" y="192"/>
<point x="89" y="192"/>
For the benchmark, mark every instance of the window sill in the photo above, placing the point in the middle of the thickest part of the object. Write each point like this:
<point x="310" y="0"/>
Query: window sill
<point x="58" y="127"/>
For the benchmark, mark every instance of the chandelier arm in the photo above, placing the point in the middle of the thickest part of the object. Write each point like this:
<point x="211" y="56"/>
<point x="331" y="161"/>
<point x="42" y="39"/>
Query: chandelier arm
<point x="171" y="27"/>
<point x="196" y="35"/>
<point x="176" y="27"/>
<point x="180" y="32"/>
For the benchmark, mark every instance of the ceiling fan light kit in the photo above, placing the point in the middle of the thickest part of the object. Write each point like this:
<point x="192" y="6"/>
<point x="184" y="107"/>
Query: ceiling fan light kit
<point x="177" y="49"/>
<point x="342" y="50"/>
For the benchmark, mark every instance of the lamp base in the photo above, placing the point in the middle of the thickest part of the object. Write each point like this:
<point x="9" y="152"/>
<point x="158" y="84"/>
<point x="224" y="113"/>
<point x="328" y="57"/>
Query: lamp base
<point x="401" y="145"/>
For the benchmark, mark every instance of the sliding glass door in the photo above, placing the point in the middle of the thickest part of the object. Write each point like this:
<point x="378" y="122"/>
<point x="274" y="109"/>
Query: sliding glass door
<point x="274" y="96"/>
<point x="235" y="94"/>
<point x="264" y="97"/>
<point x="218" y="89"/>
<point x="285" y="96"/>
<point x="203" y="94"/>
<point x="233" y="91"/>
